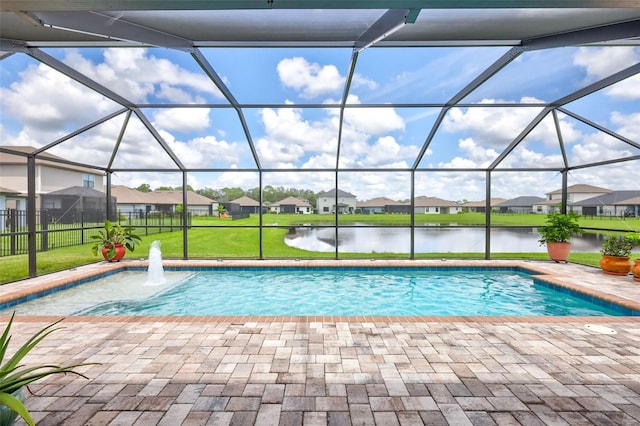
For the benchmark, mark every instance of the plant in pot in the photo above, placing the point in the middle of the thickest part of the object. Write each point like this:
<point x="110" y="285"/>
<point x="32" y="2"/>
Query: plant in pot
<point x="557" y="233"/>
<point x="635" y="242"/>
<point x="113" y="241"/>
<point x="616" y="250"/>
<point x="14" y="377"/>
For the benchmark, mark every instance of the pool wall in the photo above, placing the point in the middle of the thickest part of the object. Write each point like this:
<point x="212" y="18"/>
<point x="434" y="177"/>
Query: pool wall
<point x="27" y="290"/>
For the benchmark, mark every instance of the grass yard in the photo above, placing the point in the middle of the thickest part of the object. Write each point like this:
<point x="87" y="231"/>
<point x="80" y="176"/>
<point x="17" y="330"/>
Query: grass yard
<point x="213" y="238"/>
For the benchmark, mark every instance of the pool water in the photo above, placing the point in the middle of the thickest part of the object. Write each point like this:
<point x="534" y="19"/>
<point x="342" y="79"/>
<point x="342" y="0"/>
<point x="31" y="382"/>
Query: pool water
<point x="328" y="291"/>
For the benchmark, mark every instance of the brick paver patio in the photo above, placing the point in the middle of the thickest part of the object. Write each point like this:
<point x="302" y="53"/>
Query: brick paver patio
<point x="345" y="371"/>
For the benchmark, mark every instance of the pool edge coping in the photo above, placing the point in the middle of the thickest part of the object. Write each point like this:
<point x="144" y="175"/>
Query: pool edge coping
<point x="54" y="281"/>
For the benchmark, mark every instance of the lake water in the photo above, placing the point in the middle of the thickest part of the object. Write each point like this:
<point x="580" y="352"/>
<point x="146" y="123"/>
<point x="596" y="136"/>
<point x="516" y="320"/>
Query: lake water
<point x="428" y="240"/>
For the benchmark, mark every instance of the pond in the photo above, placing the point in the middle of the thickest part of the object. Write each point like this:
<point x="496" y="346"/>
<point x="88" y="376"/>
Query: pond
<point x="365" y="239"/>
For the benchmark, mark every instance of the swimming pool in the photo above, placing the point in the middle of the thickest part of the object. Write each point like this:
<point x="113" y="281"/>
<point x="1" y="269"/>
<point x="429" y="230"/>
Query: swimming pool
<point x="320" y="291"/>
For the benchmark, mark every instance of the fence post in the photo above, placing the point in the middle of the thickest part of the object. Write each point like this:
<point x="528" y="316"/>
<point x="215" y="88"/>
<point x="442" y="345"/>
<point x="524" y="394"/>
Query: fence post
<point x="44" y="226"/>
<point x="12" y="215"/>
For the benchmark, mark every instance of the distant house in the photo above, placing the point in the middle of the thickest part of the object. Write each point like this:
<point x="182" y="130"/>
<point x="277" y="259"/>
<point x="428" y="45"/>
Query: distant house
<point x="519" y="204"/>
<point x="198" y="205"/>
<point x="51" y="175"/>
<point x="481" y="206"/>
<point x="327" y="202"/>
<point x="75" y="204"/>
<point x="382" y="205"/>
<point x="243" y="204"/>
<point x="131" y="201"/>
<point x="435" y="205"/>
<point x="292" y="205"/>
<point x="19" y="202"/>
<point x="575" y="193"/>
<point x="615" y="203"/>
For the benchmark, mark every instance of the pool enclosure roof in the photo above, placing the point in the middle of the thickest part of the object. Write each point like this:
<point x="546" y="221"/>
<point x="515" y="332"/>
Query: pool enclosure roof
<point x="199" y="23"/>
<point x="362" y="30"/>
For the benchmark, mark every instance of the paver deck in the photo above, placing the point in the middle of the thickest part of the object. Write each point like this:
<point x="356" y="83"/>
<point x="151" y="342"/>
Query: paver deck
<point x="344" y="370"/>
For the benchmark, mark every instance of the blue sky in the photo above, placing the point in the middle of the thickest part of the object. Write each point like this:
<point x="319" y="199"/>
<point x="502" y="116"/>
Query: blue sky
<point x="38" y="105"/>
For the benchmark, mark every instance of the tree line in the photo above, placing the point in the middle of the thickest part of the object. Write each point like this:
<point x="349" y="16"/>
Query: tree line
<point x="270" y="194"/>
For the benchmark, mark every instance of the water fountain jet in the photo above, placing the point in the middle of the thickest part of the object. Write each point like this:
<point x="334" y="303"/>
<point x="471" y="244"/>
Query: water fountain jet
<point x="155" y="273"/>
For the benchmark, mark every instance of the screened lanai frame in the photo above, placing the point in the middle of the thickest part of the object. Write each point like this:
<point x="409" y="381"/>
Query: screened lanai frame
<point x="33" y="27"/>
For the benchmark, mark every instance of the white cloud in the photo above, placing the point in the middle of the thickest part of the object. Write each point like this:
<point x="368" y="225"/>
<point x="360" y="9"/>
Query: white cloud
<point x="277" y="154"/>
<point x="475" y="156"/>
<point x="206" y="152"/>
<point x="137" y="74"/>
<point x="321" y="161"/>
<point x="373" y="121"/>
<point x="310" y="79"/>
<point x="491" y="126"/>
<point x="598" y="147"/>
<point x="46" y="103"/>
<point x="628" y="124"/>
<point x="182" y="119"/>
<point x="287" y="126"/>
<point x="601" y="62"/>
<point x="386" y="152"/>
<point x="358" y="81"/>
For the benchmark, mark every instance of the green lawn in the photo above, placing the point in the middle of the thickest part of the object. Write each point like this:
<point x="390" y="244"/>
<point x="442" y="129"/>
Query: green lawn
<point x="214" y="238"/>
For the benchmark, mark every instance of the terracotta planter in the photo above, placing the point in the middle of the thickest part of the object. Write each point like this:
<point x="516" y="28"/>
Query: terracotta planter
<point x="635" y="270"/>
<point x="558" y="252"/>
<point x="615" y="265"/>
<point x="120" y="252"/>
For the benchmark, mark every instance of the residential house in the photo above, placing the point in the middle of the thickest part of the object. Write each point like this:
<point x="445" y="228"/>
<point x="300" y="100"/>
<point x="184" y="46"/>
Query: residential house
<point x="522" y="204"/>
<point x="19" y="202"/>
<point x="130" y="201"/>
<point x="481" y="206"/>
<point x="76" y="204"/>
<point x="346" y="202"/>
<point x="133" y="202"/>
<point x="575" y="193"/>
<point x="51" y="174"/>
<point x="197" y="205"/>
<point x="616" y="203"/>
<point x="435" y="205"/>
<point x="243" y="204"/>
<point x="292" y="205"/>
<point x="382" y="205"/>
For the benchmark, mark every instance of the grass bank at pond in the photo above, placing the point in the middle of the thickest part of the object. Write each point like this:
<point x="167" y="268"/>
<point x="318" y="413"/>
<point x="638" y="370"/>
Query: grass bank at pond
<point x="211" y="237"/>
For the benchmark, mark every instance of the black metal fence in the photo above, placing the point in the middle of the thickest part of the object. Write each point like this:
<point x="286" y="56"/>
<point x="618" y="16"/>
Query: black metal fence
<point x="52" y="233"/>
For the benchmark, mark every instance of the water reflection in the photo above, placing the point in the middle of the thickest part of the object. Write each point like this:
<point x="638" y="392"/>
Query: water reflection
<point x="427" y="240"/>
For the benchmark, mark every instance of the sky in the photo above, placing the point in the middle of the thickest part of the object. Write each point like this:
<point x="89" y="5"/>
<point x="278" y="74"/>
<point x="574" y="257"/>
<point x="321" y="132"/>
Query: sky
<point x="289" y="97"/>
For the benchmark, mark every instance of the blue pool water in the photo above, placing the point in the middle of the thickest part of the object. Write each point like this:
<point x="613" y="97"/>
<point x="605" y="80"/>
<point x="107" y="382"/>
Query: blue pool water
<point x="329" y="291"/>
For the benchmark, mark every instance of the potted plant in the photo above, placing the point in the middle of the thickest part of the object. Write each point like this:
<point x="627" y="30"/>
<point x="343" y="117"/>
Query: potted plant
<point x="557" y="233"/>
<point x="114" y="240"/>
<point x="635" y="242"/>
<point x="616" y="250"/>
<point x="14" y="376"/>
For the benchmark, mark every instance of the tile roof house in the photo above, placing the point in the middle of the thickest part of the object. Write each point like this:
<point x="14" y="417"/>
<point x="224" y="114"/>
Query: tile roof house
<point x="382" y="205"/>
<point x="53" y="173"/>
<point x="615" y="203"/>
<point x="522" y="204"/>
<point x="132" y="201"/>
<point x="481" y="206"/>
<point x="575" y="193"/>
<point x="435" y="205"/>
<point x="292" y="205"/>
<point x="243" y="204"/>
